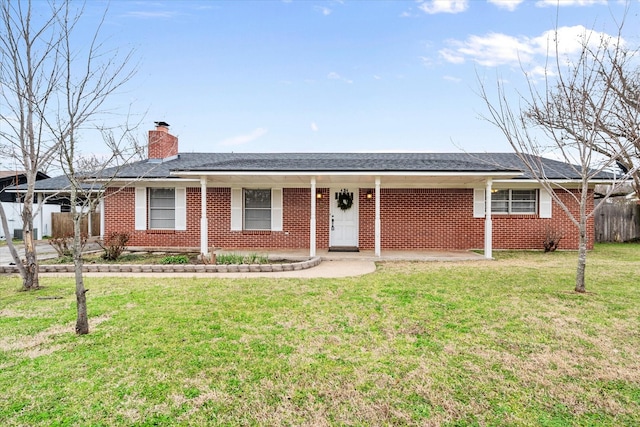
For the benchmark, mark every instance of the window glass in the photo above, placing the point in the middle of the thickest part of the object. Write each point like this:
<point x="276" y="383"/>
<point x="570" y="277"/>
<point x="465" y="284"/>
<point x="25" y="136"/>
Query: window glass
<point x="500" y="201"/>
<point x="162" y="208"/>
<point x="257" y="209"/>
<point x="523" y="201"/>
<point x="514" y="201"/>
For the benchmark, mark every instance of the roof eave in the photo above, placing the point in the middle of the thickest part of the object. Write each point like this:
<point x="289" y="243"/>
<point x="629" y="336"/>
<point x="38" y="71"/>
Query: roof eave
<point x="488" y="174"/>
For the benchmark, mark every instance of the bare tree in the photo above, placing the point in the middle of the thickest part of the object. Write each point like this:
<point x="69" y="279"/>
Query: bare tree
<point x="562" y="115"/>
<point x="87" y="79"/>
<point x="29" y="77"/>
<point x="55" y="83"/>
<point x="88" y="176"/>
<point x="620" y="128"/>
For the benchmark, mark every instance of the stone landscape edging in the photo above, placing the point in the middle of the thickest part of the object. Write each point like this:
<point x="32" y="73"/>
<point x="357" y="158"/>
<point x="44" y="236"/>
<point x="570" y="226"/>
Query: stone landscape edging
<point x="171" y="268"/>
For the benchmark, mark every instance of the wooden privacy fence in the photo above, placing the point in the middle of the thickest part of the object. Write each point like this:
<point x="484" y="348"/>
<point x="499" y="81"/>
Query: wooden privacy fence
<point x="62" y="224"/>
<point x="618" y="220"/>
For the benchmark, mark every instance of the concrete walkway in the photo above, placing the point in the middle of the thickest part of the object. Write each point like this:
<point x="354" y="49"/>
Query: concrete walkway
<point x="43" y="249"/>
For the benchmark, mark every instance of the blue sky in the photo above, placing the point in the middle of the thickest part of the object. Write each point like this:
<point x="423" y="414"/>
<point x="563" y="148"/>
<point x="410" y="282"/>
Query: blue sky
<point x="303" y="75"/>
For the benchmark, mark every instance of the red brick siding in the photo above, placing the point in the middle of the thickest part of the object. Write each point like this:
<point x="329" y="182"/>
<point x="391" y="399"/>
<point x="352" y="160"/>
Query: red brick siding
<point x="119" y="213"/>
<point x="323" y="218"/>
<point x="421" y="219"/>
<point x="528" y="231"/>
<point x="295" y="222"/>
<point x="410" y="219"/>
<point x="367" y="220"/>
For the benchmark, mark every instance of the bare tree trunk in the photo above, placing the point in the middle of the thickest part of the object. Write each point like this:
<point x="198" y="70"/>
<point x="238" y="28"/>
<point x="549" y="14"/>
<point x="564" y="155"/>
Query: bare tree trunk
<point x="582" y="238"/>
<point x="82" y="319"/>
<point x="582" y="259"/>
<point x="30" y="280"/>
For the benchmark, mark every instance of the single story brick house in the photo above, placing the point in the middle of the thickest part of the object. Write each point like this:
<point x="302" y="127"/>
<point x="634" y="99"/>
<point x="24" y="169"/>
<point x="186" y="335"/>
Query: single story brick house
<point x="345" y="201"/>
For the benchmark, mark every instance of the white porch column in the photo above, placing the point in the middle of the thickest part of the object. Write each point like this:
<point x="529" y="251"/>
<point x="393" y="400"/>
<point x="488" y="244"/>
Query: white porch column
<point x="204" y="224"/>
<point x="488" y="224"/>
<point x="41" y="208"/>
<point x="312" y="222"/>
<point x="102" y="218"/>
<point x="89" y="221"/>
<point x="377" y="219"/>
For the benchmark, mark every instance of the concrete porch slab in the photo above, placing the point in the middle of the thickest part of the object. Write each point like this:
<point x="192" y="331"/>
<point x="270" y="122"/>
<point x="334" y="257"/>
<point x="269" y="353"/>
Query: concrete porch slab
<point x="326" y="255"/>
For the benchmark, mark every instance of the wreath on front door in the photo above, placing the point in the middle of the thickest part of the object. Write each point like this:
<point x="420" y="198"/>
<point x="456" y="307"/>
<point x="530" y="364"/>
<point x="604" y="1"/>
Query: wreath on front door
<point x="345" y="200"/>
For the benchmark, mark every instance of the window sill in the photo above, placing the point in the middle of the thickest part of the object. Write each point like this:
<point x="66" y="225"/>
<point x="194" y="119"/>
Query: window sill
<point x="159" y="231"/>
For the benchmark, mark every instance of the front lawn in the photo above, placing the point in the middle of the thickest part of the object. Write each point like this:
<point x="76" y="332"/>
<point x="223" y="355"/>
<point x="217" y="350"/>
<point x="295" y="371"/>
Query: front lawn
<point x="477" y="343"/>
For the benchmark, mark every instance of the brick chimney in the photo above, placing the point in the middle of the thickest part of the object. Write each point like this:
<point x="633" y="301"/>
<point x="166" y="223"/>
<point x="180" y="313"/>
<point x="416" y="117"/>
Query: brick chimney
<point x="162" y="144"/>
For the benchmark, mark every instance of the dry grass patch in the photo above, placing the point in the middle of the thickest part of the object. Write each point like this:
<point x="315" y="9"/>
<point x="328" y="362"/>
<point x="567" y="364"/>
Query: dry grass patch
<point x="43" y="342"/>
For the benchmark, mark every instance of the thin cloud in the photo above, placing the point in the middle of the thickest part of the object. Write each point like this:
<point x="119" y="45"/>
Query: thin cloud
<point x="323" y="10"/>
<point x="335" y="76"/>
<point x="556" y="3"/>
<point x="444" y="6"/>
<point x="452" y="79"/>
<point x="244" y="139"/>
<point x="314" y="127"/>
<point x="489" y="50"/>
<point x="509" y="5"/>
<point x="496" y="49"/>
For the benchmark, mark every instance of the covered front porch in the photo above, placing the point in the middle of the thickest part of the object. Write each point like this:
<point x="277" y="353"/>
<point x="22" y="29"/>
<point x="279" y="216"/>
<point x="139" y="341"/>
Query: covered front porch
<point x="323" y="186"/>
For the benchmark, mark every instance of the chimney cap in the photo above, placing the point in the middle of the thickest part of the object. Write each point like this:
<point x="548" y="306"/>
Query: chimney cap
<point x="163" y="124"/>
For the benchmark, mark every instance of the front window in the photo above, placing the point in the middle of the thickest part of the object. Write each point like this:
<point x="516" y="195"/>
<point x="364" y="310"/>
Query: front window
<point x="257" y="209"/>
<point x="514" y="201"/>
<point x="162" y="208"/>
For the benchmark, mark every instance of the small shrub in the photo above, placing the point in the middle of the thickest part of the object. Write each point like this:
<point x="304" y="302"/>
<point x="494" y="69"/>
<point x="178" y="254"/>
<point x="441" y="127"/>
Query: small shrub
<point x="209" y="258"/>
<point x="175" y="259"/>
<point x="255" y="259"/>
<point x="67" y="259"/>
<point x="241" y="259"/>
<point x="64" y="245"/>
<point x="229" y="259"/>
<point x="114" y="245"/>
<point x="552" y="239"/>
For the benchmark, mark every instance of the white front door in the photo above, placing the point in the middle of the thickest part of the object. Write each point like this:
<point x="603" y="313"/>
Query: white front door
<point x="343" y="225"/>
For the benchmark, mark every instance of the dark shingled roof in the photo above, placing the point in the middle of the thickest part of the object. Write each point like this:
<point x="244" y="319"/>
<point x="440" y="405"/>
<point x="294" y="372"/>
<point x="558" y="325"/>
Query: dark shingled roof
<point x="57" y="183"/>
<point x="368" y="163"/>
<point x="342" y="162"/>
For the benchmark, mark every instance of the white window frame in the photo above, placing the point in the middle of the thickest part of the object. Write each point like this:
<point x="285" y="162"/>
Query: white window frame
<point x="510" y="201"/>
<point x="262" y="209"/>
<point x="142" y="209"/>
<point x="151" y="209"/>
<point x="238" y="209"/>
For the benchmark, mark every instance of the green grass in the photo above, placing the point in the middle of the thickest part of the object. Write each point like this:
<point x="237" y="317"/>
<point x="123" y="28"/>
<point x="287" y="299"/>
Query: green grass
<point x="175" y="259"/>
<point x="455" y="344"/>
<point x="233" y="258"/>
